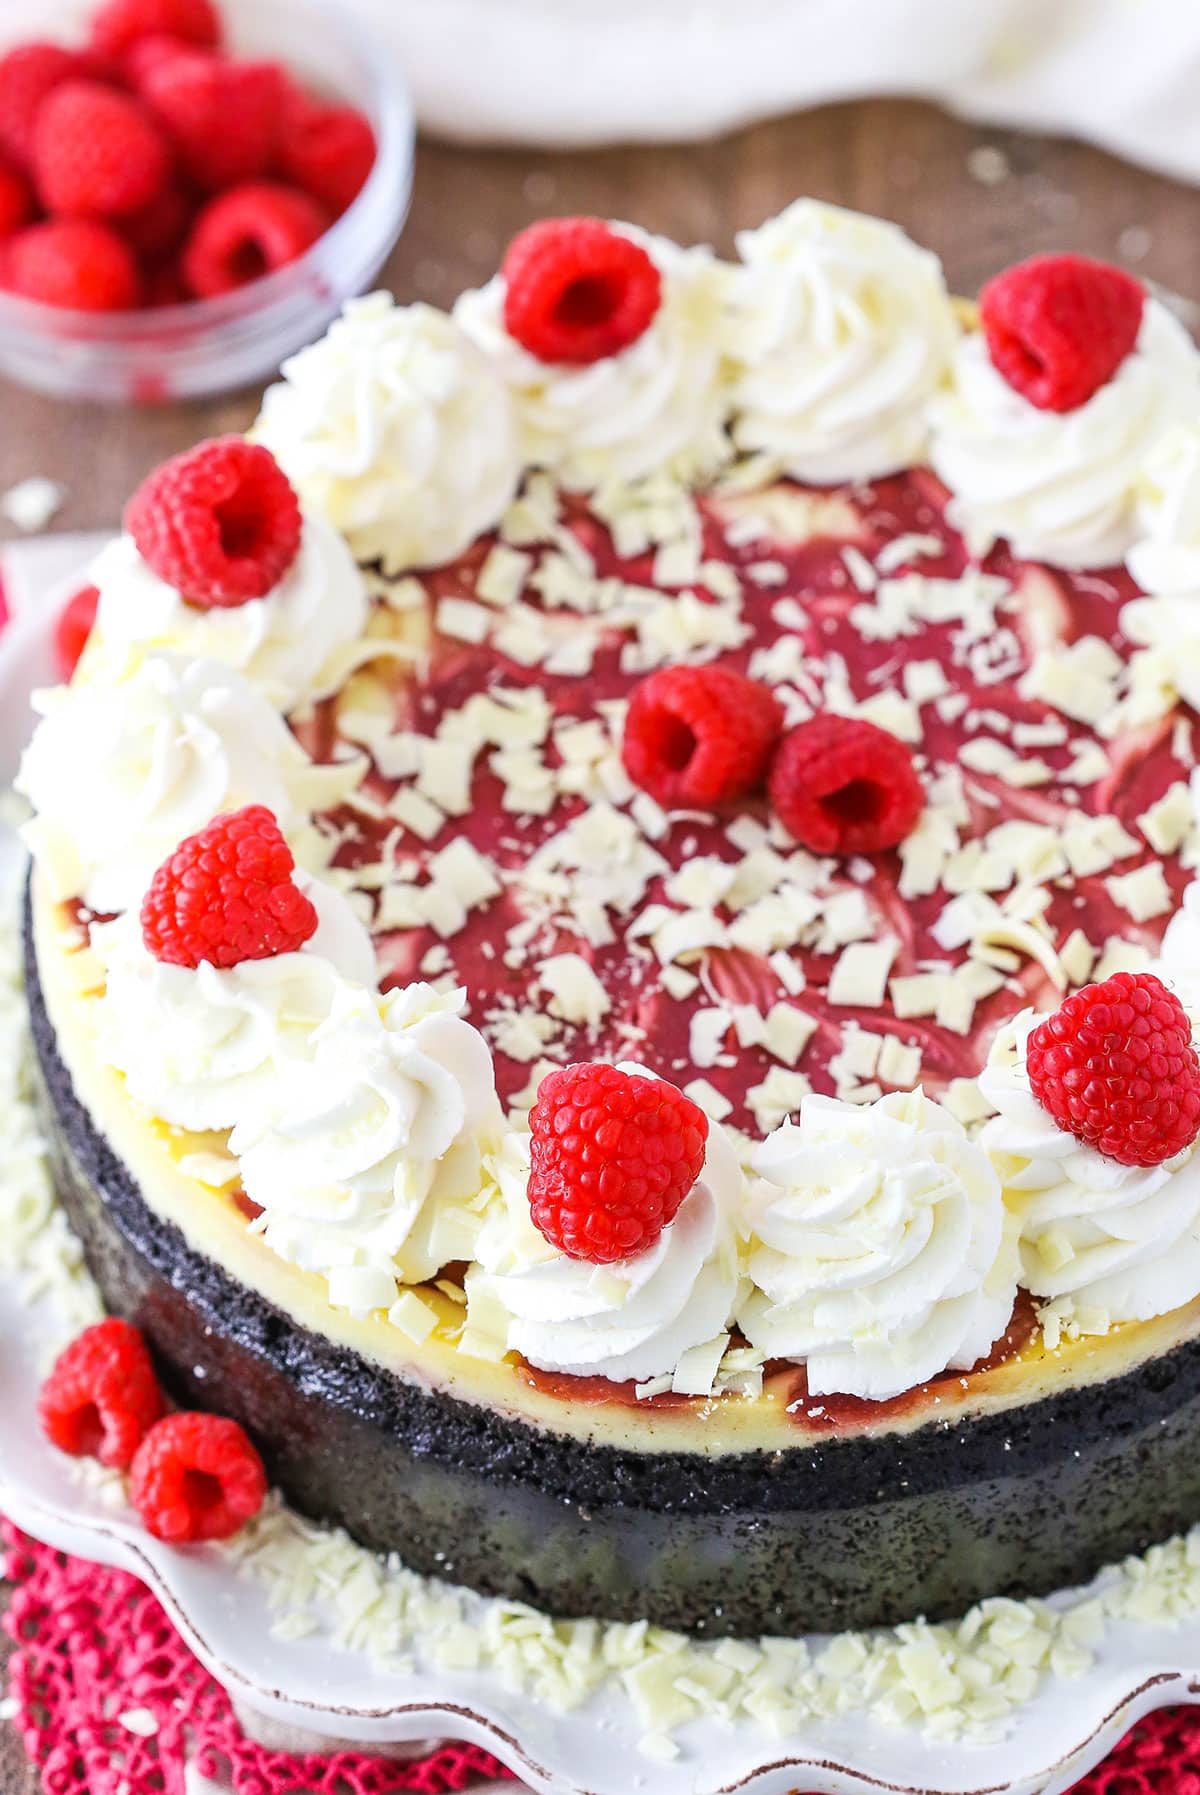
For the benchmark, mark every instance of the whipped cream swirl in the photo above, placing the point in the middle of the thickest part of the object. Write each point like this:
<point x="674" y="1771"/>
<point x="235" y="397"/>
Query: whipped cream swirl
<point x="1178" y="963"/>
<point x="121" y="771"/>
<point x="1165" y="562"/>
<point x="398" y="430"/>
<point x="882" y="1252"/>
<point x="367" y="1159"/>
<point x="1062" y="487"/>
<point x="631" y="1320"/>
<point x="1166" y="556"/>
<point x="201" y="1048"/>
<point x="843" y="332"/>
<point x="659" y="404"/>
<point x="1120" y="1240"/>
<point x="291" y="645"/>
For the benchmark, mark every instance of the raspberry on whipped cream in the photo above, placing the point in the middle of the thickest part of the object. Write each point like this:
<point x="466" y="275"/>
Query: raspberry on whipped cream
<point x="577" y="291"/>
<point x="1058" y="327"/>
<point x="204" y="1047"/>
<point x="656" y="406"/>
<point x="226" y="895"/>
<point x="613" y="1154"/>
<point x="1063" y="487"/>
<point x="294" y="644"/>
<point x="1118" y="1242"/>
<point x="631" y="1320"/>
<point x="1115" y="1066"/>
<point x="220" y="522"/>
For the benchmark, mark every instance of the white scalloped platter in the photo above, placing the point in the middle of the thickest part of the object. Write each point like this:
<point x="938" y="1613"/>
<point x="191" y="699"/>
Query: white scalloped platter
<point x="315" y="1687"/>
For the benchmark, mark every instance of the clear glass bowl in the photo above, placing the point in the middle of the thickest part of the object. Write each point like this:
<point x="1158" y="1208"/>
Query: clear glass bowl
<point x="213" y="345"/>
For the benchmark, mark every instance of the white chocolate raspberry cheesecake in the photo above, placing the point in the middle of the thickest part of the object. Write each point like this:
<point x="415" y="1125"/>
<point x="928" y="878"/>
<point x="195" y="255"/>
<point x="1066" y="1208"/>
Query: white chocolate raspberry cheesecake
<point x="612" y="935"/>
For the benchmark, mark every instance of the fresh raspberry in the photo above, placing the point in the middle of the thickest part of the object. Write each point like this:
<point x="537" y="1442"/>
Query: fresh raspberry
<point x="28" y="75"/>
<point x="699" y="736"/>
<point x="327" y="150"/>
<point x="164" y="286"/>
<point x="118" y="24"/>
<point x="158" y="229"/>
<point x="228" y="895"/>
<point x="1059" y="327"/>
<point x="72" y="262"/>
<point x="222" y="117"/>
<point x="576" y="290"/>
<point x="147" y="54"/>
<point x="248" y="232"/>
<point x="97" y="151"/>
<point x="102" y="1396"/>
<point x="197" y="1477"/>
<point x="75" y="623"/>
<point x="1115" y="1066"/>
<point x="220" y="522"/>
<point x="613" y="1155"/>
<point x="843" y="786"/>
<point x="16" y="201"/>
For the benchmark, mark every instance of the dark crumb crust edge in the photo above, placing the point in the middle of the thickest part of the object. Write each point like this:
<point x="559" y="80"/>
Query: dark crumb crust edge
<point x="863" y="1531"/>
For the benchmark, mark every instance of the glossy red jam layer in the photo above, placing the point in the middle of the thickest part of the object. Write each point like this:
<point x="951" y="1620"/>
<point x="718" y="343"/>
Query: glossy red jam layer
<point x="817" y="592"/>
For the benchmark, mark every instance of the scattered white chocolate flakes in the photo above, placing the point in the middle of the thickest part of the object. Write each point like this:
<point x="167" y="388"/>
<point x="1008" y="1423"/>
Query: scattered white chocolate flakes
<point x="591" y="878"/>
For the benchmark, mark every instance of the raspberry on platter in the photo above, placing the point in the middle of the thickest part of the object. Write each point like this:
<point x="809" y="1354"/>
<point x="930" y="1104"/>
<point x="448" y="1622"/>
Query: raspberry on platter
<point x="197" y="1477"/>
<point x="102" y="1397"/>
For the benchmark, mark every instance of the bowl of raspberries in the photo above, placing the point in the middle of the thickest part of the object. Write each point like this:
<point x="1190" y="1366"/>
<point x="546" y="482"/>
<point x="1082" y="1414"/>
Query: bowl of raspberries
<point x="189" y="191"/>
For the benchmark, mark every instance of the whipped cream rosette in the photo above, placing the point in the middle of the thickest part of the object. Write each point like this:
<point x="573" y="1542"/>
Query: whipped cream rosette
<point x="1166" y="556"/>
<point x="842" y="332"/>
<point x="1178" y="962"/>
<point x="1062" y="486"/>
<point x="202" y="1047"/>
<point x="290" y="645"/>
<point x="882" y="1253"/>
<point x="398" y="430"/>
<point x="1165" y="562"/>
<point x="1120" y="1241"/>
<point x="121" y="769"/>
<point x="367" y="1156"/>
<point x="634" y="1319"/>
<point x="657" y="404"/>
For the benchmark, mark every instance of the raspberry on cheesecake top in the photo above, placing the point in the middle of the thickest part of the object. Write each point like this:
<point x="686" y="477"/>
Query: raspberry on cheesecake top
<point x="680" y="799"/>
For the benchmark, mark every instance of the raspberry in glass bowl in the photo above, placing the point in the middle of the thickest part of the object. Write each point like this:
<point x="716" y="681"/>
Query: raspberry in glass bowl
<point x="153" y="244"/>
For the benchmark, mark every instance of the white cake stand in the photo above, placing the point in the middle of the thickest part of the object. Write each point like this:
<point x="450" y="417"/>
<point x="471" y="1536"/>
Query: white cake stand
<point x="315" y="1693"/>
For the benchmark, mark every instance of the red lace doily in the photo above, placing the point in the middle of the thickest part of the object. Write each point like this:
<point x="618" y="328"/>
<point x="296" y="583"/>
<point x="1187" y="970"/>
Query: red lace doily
<point x="93" y="1645"/>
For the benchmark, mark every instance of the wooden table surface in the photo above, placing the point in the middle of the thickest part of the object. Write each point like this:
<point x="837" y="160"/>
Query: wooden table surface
<point x="981" y="198"/>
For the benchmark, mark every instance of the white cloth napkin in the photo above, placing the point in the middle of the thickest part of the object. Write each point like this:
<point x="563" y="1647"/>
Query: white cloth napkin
<point x="1124" y="73"/>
